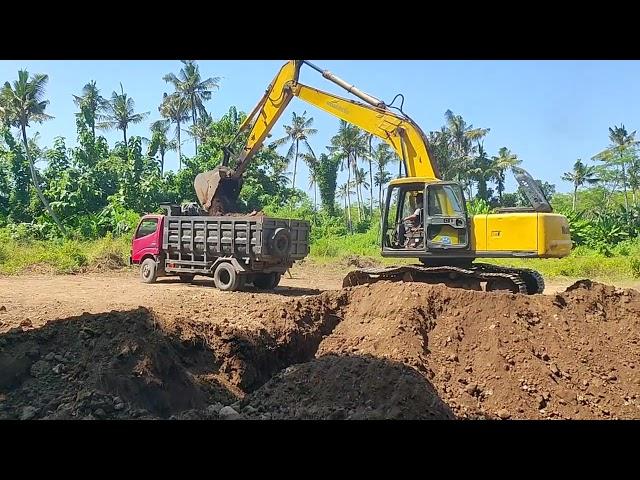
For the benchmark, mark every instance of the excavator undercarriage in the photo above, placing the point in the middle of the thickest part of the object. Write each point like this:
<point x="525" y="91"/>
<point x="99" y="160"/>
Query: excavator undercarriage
<point x="475" y="276"/>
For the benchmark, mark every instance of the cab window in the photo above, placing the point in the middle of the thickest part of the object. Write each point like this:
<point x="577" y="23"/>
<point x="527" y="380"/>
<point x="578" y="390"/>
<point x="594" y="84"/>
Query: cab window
<point x="147" y="227"/>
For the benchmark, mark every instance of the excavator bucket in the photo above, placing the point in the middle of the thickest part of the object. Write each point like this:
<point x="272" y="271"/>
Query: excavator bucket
<point x="217" y="190"/>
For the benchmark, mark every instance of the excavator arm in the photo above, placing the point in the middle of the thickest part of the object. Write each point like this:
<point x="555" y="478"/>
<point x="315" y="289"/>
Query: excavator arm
<point x="219" y="188"/>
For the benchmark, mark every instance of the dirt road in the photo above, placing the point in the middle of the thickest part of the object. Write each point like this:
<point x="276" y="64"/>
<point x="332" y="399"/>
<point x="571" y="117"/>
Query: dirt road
<point x="123" y="349"/>
<point x="38" y="298"/>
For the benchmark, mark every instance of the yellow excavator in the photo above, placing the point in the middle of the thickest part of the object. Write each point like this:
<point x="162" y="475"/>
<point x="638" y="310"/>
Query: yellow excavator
<point x="425" y="218"/>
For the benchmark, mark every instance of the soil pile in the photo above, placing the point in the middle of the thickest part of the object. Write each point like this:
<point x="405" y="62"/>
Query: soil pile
<point x="387" y="350"/>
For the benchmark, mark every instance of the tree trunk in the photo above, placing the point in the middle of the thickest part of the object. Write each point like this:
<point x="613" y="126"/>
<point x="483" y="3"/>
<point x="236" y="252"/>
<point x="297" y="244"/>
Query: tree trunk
<point x="295" y="166"/>
<point x="624" y="187"/>
<point x="315" y="196"/>
<point x="35" y="182"/>
<point x="349" y="199"/>
<point x="193" y="118"/>
<point x="370" y="175"/>
<point x="179" y="149"/>
<point x="575" y="196"/>
<point x="126" y="145"/>
<point x="162" y="164"/>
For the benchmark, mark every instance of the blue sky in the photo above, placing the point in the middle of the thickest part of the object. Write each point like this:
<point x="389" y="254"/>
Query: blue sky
<point x="548" y="112"/>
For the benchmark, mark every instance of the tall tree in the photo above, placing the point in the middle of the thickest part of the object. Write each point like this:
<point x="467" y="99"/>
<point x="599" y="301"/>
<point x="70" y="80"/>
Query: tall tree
<point x="297" y="133"/>
<point x="360" y="182"/>
<point x="620" y="152"/>
<point x="344" y="191"/>
<point x="580" y="175"/>
<point x="347" y="144"/>
<point x="312" y="163"/>
<point x="120" y="113"/>
<point x="382" y="156"/>
<point x="195" y="90"/>
<point x="501" y="163"/>
<point x="24" y="103"/>
<point x="327" y="172"/>
<point x="91" y="103"/>
<point x="160" y="143"/>
<point x="175" y="109"/>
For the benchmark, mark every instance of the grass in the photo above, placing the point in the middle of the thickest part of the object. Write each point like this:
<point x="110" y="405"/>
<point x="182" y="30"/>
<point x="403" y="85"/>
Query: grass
<point x="22" y="256"/>
<point x="68" y="256"/>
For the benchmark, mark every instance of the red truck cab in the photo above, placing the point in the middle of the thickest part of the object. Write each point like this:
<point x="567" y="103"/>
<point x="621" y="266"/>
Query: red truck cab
<point x="147" y="240"/>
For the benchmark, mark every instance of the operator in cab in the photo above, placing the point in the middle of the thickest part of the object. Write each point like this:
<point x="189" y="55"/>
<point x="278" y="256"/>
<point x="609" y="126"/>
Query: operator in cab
<point x="416" y="217"/>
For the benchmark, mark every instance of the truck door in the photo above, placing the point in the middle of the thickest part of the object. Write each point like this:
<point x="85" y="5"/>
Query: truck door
<point x="146" y="239"/>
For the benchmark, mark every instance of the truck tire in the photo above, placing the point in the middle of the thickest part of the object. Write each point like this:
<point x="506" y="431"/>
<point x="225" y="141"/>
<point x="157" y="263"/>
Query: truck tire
<point x="280" y="243"/>
<point x="186" y="277"/>
<point x="148" y="271"/>
<point x="266" y="281"/>
<point x="226" y="278"/>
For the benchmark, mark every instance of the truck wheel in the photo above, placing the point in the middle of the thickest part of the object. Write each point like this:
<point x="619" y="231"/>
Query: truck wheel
<point x="266" y="281"/>
<point x="226" y="278"/>
<point x="186" y="277"/>
<point x="148" y="271"/>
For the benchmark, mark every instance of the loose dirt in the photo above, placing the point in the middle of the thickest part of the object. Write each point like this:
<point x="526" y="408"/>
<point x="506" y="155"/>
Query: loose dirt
<point x="109" y="347"/>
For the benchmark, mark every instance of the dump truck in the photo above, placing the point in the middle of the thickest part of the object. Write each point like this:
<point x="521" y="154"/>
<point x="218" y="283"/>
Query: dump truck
<point x="235" y="250"/>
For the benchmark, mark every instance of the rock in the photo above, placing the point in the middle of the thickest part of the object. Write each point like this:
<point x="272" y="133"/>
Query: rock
<point x="471" y="389"/>
<point x="119" y="406"/>
<point x="214" y="410"/>
<point x="229" y="413"/>
<point x="100" y="413"/>
<point x="88" y="417"/>
<point x="503" y="414"/>
<point x="265" y="416"/>
<point x="58" y="368"/>
<point x="3" y="308"/>
<point x="612" y="377"/>
<point x="40" y="368"/>
<point x="453" y="357"/>
<point x="468" y="369"/>
<point x="554" y="369"/>
<point x="59" y="358"/>
<point x="28" y="413"/>
<point x="546" y="357"/>
<point x="249" y="409"/>
<point x="49" y="356"/>
<point x="26" y="323"/>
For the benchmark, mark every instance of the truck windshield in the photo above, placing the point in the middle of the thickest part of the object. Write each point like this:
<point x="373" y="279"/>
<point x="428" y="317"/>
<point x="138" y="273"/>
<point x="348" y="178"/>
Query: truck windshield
<point x="147" y="227"/>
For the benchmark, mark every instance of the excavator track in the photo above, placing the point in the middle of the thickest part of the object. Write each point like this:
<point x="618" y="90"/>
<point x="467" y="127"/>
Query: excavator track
<point x="516" y="280"/>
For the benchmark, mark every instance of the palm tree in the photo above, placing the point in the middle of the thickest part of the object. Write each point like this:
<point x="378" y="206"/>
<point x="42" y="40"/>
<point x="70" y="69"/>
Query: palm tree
<point x="24" y="103"/>
<point x="483" y="170"/>
<point x="90" y="104"/>
<point x="175" y="109"/>
<point x="193" y="89"/>
<point x="120" y="114"/>
<point x="369" y="139"/>
<point x="312" y="162"/>
<point x="580" y="175"/>
<point x="299" y="131"/>
<point x="160" y="142"/>
<point x="382" y="156"/>
<point x="201" y="130"/>
<point x="344" y="192"/>
<point x="360" y="182"/>
<point x="505" y="160"/>
<point x="622" y="144"/>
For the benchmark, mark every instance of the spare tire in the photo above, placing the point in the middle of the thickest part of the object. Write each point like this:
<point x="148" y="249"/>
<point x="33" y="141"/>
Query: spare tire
<point x="280" y="243"/>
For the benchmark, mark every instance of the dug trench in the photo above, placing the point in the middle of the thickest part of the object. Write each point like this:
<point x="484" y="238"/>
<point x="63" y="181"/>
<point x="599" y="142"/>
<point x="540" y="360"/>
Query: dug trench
<point x="381" y="351"/>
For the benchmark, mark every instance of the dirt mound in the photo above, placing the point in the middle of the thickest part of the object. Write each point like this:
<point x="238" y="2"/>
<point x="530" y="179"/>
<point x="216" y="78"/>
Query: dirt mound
<point x="346" y="387"/>
<point x="107" y="261"/>
<point x="387" y="350"/>
<point x="112" y="365"/>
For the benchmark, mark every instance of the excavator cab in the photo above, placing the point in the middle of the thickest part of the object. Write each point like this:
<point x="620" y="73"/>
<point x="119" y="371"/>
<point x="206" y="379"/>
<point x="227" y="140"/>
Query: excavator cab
<point x="442" y="218"/>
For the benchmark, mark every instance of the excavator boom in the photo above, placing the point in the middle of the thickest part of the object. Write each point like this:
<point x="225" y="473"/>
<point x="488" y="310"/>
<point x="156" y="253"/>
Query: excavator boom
<point x="218" y="189"/>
